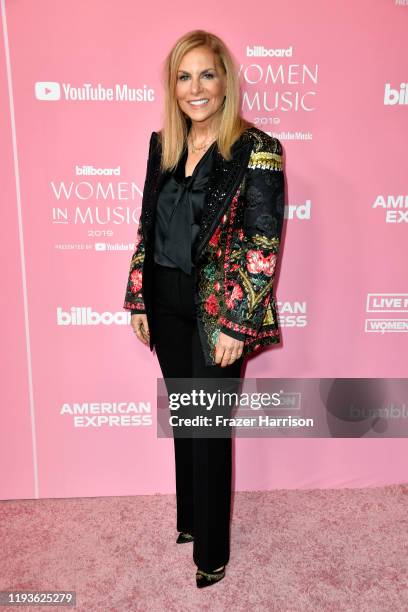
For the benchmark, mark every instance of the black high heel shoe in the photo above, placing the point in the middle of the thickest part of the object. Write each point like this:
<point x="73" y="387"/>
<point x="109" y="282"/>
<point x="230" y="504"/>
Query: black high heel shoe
<point x="184" y="537"/>
<point x="204" y="579"/>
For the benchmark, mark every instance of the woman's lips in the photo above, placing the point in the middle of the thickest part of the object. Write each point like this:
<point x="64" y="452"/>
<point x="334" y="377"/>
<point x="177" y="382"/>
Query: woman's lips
<point x="198" y="105"/>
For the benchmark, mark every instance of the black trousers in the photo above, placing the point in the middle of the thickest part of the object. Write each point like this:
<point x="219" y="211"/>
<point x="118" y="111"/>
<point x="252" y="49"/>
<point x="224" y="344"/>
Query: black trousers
<point x="203" y="465"/>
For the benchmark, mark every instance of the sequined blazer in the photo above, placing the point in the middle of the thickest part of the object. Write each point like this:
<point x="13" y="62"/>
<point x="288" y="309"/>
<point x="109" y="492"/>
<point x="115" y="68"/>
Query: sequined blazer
<point x="237" y="245"/>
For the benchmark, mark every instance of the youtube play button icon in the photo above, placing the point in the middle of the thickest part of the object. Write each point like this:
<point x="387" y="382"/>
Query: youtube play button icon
<point x="47" y="90"/>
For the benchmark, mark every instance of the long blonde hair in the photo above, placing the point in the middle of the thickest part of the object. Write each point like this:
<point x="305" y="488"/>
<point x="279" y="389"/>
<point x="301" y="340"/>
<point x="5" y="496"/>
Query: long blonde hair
<point x="173" y="134"/>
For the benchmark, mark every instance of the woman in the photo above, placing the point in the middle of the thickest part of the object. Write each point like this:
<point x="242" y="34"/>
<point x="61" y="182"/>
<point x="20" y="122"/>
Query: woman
<point x="201" y="277"/>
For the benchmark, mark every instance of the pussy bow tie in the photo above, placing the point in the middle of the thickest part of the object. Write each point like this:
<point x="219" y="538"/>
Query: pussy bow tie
<point x="181" y="220"/>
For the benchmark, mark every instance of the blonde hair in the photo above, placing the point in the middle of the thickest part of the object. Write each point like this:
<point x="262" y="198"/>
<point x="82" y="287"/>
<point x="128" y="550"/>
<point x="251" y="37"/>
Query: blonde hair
<point x="173" y="134"/>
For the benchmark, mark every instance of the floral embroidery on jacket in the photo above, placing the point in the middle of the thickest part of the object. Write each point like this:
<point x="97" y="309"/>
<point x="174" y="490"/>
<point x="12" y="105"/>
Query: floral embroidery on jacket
<point x="134" y="298"/>
<point x="235" y="277"/>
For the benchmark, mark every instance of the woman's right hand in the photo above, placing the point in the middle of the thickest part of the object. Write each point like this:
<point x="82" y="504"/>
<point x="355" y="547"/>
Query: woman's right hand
<point x="140" y="327"/>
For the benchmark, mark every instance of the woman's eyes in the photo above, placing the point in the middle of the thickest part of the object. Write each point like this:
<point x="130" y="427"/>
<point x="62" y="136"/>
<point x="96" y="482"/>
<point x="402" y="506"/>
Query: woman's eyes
<point x="183" y="77"/>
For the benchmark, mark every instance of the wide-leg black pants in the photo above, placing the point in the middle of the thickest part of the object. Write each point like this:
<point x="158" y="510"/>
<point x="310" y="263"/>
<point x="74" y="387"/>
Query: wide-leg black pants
<point x="203" y="465"/>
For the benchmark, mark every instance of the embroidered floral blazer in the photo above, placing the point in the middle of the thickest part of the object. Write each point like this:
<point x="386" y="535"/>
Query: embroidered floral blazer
<point x="238" y="245"/>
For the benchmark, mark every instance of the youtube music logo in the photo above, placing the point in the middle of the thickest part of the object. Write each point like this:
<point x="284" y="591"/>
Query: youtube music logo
<point x="47" y="90"/>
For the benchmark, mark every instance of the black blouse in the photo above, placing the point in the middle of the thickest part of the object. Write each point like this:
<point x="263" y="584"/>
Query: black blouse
<point x="178" y="214"/>
<point x="179" y="210"/>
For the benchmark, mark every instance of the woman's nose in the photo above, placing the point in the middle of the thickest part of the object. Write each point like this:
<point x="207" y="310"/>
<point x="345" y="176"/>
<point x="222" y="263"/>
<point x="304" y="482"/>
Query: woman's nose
<point x="195" y="87"/>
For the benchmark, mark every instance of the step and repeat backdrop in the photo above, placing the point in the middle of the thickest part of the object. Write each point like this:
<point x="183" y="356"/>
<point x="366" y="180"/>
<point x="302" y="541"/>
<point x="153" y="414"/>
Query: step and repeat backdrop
<point x="81" y="92"/>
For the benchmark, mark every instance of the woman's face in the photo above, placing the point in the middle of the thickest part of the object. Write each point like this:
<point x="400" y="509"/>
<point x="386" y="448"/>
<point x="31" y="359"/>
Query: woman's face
<point x="200" y="78"/>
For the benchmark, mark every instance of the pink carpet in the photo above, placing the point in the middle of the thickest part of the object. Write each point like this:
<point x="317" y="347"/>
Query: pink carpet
<point x="291" y="551"/>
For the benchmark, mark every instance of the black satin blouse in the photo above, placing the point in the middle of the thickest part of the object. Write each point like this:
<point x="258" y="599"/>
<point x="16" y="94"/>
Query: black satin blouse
<point x="178" y="214"/>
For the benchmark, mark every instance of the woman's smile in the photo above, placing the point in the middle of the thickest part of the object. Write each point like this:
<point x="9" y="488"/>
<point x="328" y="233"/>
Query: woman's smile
<point x="201" y="102"/>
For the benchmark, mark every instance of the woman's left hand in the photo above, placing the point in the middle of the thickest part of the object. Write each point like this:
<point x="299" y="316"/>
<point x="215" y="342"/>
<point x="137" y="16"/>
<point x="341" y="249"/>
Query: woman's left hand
<point x="228" y="350"/>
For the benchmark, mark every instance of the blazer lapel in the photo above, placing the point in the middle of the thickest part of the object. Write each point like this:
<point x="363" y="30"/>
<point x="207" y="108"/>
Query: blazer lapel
<point x="154" y="181"/>
<point x="223" y="183"/>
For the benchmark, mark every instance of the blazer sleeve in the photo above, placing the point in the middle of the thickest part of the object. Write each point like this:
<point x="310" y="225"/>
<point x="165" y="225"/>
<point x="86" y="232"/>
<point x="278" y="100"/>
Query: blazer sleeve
<point x="255" y="243"/>
<point x="134" y="297"/>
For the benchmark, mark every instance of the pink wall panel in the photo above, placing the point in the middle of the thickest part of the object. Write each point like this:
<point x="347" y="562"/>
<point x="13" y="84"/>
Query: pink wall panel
<point x="18" y="473"/>
<point x="344" y="150"/>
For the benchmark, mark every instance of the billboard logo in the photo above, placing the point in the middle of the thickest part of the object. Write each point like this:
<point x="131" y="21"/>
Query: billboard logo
<point x="260" y="51"/>
<point x="88" y="170"/>
<point x="298" y="211"/>
<point x="85" y="315"/>
<point x="395" y="96"/>
<point x="47" y="90"/>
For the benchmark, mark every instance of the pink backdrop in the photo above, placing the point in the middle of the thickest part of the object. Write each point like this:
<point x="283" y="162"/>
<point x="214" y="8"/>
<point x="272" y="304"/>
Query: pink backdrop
<point x="68" y="231"/>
